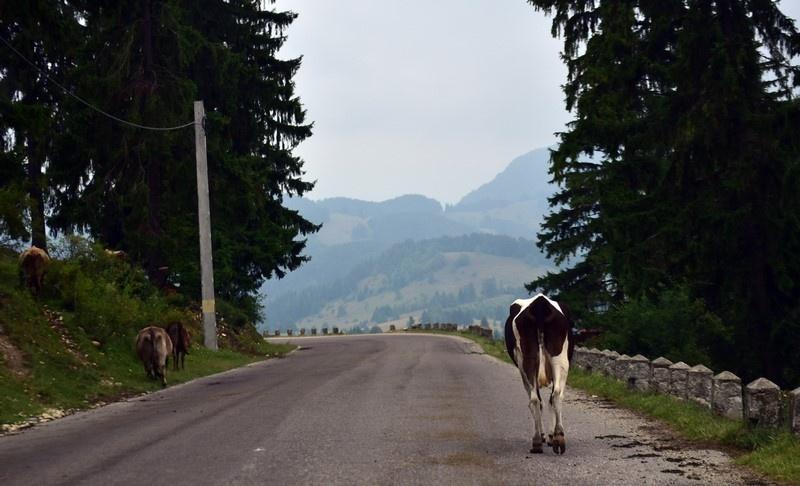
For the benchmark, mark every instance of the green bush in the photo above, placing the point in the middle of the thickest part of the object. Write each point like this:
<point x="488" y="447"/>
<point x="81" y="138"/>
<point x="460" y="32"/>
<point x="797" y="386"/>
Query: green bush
<point x="672" y="325"/>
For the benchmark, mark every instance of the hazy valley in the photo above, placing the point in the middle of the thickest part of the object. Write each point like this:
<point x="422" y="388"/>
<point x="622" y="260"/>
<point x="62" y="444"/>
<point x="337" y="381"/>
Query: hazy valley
<point x="378" y="263"/>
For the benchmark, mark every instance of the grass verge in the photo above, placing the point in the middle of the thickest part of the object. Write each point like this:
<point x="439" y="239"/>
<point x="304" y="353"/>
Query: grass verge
<point x="774" y="453"/>
<point x="73" y="347"/>
<point x="58" y="379"/>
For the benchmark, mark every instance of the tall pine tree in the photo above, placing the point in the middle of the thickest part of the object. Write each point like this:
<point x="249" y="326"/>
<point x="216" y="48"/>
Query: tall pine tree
<point x="146" y="61"/>
<point x="688" y="108"/>
<point x="36" y="33"/>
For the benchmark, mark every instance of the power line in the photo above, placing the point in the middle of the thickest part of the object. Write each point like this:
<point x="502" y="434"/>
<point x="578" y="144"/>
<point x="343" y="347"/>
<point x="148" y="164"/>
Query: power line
<point x="109" y="115"/>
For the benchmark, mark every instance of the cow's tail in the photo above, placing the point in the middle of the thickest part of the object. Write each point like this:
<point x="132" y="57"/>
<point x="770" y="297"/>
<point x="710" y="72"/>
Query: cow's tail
<point x="541" y="374"/>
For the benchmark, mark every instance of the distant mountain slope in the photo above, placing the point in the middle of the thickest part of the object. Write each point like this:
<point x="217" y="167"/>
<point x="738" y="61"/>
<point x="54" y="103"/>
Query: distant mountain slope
<point x="355" y="231"/>
<point x="513" y="203"/>
<point x="525" y="179"/>
<point x="452" y="276"/>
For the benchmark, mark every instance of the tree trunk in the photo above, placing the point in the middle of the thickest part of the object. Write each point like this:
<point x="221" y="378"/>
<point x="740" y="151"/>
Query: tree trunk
<point x="155" y="257"/>
<point x="36" y="197"/>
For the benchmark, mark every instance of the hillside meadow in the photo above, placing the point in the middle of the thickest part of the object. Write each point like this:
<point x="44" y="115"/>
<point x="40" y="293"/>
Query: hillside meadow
<point x="73" y="346"/>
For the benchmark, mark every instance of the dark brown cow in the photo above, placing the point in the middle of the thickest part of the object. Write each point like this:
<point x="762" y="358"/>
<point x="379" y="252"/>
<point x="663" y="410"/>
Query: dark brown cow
<point x="538" y="340"/>
<point x="154" y="346"/>
<point x="181" y="342"/>
<point x="32" y="265"/>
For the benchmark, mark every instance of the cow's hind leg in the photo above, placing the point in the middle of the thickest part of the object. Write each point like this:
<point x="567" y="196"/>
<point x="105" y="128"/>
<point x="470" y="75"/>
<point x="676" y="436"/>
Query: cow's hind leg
<point x="560" y="366"/>
<point x="535" y="406"/>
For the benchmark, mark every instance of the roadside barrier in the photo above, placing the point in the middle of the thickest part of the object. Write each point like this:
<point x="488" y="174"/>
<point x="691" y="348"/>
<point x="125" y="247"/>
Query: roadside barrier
<point x="760" y="402"/>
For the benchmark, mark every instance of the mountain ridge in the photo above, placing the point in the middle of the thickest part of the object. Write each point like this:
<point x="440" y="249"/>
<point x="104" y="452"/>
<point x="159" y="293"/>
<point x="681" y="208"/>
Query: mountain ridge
<point x="355" y="231"/>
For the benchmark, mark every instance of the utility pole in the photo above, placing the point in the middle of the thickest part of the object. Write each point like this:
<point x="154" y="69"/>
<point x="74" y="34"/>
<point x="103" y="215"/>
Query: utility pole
<point x="204" y="223"/>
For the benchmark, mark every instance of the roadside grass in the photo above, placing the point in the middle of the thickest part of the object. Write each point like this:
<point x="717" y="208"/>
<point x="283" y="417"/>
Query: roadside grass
<point x="774" y="453"/>
<point x="87" y="356"/>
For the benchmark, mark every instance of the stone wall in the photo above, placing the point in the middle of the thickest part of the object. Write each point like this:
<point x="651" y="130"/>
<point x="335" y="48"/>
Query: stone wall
<point x="759" y="402"/>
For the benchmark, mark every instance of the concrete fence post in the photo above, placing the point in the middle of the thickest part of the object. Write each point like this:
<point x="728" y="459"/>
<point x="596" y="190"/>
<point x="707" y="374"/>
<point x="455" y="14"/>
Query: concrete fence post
<point x="579" y="357"/>
<point x="607" y="362"/>
<point x="794" y="410"/>
<point x="659" y="382"/>
<point x="677" y="379"/>
<point x="620" y="368"/>
<point x="585" y="359"/>
<point x="726" y="395"/>
<point x="596" y="360"/>
<point x="762" y="403"/>
<point x="639" y="374"/>
<point x="698" y="383"/>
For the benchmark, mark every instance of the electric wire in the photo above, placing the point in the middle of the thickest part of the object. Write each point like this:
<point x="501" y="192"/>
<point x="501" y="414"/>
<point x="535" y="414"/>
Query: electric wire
<point x="102" y="112"/>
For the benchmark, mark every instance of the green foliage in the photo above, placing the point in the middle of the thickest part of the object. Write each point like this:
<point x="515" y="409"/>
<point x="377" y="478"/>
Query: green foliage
<point x="133" y="189"/>
<point x="238" y="314"/>
<point x="100" y="299"/>
<point x="776" y="456"/>
<point x="110" y="298"/>
<point x="48" y="33"/>
<point x="673" y="325"/>
<point x="680" y="168"/>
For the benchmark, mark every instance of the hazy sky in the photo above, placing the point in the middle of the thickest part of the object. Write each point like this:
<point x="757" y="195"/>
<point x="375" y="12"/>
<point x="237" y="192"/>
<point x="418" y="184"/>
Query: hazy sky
<point x="424" y="96"/>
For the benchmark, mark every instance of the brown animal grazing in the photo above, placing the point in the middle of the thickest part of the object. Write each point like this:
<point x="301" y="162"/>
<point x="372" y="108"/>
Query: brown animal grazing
<point x="154" y="346"/>
<point x="32" y="265"/>
<point x="181" y="342"/>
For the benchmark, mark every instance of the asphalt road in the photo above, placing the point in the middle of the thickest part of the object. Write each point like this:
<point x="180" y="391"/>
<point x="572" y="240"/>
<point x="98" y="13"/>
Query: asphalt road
<point x="391" y="409"/>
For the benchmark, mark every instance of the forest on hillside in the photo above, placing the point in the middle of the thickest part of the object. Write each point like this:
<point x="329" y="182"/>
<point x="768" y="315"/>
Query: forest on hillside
<point x="96" y="119"/>
<point x="681" y="235"/>
<point x="407" y="263"/>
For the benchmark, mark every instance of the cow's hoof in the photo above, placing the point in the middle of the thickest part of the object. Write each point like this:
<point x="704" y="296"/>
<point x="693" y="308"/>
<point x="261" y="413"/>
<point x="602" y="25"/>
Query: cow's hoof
<point x="558" y="443"/>
<point x="536" y="445"/>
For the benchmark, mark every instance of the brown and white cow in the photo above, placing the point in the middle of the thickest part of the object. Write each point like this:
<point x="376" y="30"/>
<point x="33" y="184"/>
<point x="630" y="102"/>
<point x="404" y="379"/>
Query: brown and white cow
<point x="538" y="339"/>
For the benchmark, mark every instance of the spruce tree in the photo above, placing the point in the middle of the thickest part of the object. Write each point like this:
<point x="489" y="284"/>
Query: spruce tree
<point x="688" y="111"/>
<point x="38" y="36"/>
<point x="133" y="189"/>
